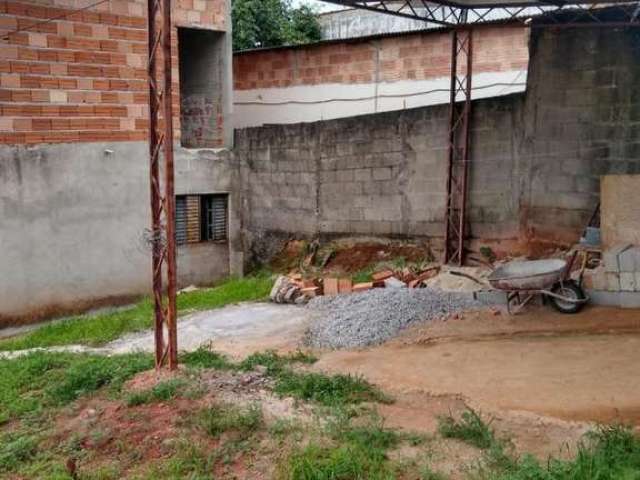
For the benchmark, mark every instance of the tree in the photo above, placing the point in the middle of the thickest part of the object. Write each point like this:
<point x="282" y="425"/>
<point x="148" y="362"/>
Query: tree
<point x="272" y="23"/>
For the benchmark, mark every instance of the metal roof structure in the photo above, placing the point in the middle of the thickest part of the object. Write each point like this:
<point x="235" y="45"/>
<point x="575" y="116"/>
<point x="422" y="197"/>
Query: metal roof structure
<point x="465" y="12"/>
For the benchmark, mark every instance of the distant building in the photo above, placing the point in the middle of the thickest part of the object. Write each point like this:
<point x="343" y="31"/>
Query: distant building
<point x="354" y="23"/>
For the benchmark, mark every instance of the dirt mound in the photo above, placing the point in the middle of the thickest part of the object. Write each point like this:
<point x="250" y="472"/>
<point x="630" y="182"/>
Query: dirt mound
<point x="357" y="257"/>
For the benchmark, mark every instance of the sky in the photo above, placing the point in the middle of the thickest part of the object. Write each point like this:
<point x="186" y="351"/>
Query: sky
<point x="321" y="6"/>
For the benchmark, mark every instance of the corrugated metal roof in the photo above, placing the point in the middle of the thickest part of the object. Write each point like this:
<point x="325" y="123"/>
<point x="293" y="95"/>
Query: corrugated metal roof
<point x="366" y="38"/>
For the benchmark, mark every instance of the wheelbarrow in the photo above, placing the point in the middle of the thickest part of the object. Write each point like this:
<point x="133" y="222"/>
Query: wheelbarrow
<point x="522" y="281"/>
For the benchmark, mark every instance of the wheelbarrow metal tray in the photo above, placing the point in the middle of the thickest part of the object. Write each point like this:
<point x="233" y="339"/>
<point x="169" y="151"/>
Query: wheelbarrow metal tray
<point x="529" y="275"/>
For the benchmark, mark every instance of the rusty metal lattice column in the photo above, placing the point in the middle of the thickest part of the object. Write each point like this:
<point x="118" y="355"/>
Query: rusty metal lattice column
<point x="458" y="137"/>
<point x="162" y="192"/>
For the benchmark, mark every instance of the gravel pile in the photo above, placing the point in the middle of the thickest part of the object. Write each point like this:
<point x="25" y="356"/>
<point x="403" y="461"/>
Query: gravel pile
<point x="368" y="318"/>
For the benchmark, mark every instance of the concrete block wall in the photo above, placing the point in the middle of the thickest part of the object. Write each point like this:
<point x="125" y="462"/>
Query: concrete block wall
<point x="581" y="120"/>
<point x="536" y="157"/>
<point x="617" y="281"/>
<point x="375" y="175"/>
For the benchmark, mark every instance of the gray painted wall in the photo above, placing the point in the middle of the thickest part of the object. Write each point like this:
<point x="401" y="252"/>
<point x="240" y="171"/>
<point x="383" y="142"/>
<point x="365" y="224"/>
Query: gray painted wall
<point x="73" y="220"/>
<point x="536" y="157"/>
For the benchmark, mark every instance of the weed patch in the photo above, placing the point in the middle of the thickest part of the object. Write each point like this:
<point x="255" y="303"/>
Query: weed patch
<point x="188" y="462"/>
<point x="203" y="357"/>
<point x="610" y="453"/>
<point x="274" y="362"/>
<point x="327" y="390"/>
<point x="16" y="449"/>
<point x="344" y="462"/>
<point x="221" y="418"/>
<point x="471" y="429"/>
<point x="162" y="392"/>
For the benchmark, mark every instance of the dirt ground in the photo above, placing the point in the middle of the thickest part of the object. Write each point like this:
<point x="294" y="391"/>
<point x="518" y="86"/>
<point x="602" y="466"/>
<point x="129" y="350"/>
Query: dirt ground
<point x="544" y="377"/>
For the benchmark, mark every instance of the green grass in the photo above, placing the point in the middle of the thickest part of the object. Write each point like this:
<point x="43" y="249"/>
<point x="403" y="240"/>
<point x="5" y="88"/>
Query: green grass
<point x="363" y="276"/>
<point x="356" y="451"/>
<point x="328" y="390"/>
<point x="99" y="329"/>
<point x="426" y="473"/>
<point x="610" y="453"/>
<point x="222" y="418"/>
<point x="35" y="382"/>
<point x="344" y="462"/>
<point x="470" y="428"/>
<point x="161" y="392"/>
<point x="16" y="449"/>
<point x="203" y="357"/>
<point x="274" y="362"/>
<point x="189" y="461"/>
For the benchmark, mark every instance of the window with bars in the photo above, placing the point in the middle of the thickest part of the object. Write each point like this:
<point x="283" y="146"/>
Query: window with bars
<point x="201" y="218"/>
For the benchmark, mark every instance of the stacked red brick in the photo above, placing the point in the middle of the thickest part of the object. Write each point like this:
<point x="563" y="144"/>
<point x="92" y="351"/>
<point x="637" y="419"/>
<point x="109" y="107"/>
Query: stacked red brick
<point x="82" y="78"/>
<point x="415" y="56"/>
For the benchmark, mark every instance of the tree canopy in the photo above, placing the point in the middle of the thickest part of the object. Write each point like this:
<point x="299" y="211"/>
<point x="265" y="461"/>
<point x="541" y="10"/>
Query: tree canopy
<point x="272" y="23"/>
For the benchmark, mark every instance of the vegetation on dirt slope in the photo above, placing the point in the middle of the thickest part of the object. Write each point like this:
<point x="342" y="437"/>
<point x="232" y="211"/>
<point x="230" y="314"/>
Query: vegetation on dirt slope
<point x="99" y="329"/>
<point x="608" y="453"/>
<point x="32" y="383"/>
<point x="345" y="440"/>
<point x="327" y="390"/>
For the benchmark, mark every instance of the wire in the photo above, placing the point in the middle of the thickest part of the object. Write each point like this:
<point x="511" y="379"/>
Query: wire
<point x="48" y="20"/>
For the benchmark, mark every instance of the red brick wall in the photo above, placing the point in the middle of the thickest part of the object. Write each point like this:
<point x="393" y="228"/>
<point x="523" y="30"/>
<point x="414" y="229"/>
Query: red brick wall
<point x="83" y="78"/>
<point x="415" y="56"/>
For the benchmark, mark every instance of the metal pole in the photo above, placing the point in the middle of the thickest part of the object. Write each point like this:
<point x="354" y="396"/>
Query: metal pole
<point x="162" y="196"/>
<point x="169" y="198"/>
<point x="458" y="146"/>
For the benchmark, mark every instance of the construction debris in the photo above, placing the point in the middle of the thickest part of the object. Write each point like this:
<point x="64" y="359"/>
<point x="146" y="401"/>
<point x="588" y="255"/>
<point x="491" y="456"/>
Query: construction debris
<point x="286" y="290"/>
<point x="393" y="282"/>
<point x="294" y="288"/>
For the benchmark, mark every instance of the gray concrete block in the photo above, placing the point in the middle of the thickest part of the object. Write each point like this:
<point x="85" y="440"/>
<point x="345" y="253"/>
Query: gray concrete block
<point x="491" y="297"/>
<point x="613" y="281"/>
<point x="610" y="257"/>
<point x="629" y="260"/>
<point x="382" y="173"/>
<point x="362" y="174"/>
<point x="627" y="281"/>
<point x="602" y="297"/>
<point x="630" y="299"/>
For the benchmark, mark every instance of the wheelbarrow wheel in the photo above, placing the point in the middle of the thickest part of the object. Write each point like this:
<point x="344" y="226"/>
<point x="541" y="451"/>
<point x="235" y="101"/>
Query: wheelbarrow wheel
<point x="571" y="290"/>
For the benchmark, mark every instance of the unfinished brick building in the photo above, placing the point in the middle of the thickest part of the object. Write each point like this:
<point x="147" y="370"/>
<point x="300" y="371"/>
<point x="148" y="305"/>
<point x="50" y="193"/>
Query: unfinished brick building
<point x="74" y="169"/>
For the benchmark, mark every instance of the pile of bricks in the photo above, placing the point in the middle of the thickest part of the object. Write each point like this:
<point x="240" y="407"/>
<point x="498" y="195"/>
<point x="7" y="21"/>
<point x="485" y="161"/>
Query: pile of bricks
<point x="293" y="288"/>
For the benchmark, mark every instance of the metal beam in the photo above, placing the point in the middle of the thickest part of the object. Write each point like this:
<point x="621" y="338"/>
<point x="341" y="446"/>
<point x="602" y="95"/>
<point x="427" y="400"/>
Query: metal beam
<point x="458" y="145"/>
<point x="162" y="235"/>
<point x="451" y="13"/>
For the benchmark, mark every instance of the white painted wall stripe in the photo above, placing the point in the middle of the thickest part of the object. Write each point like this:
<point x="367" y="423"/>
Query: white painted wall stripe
<point x="310" y="103"/>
